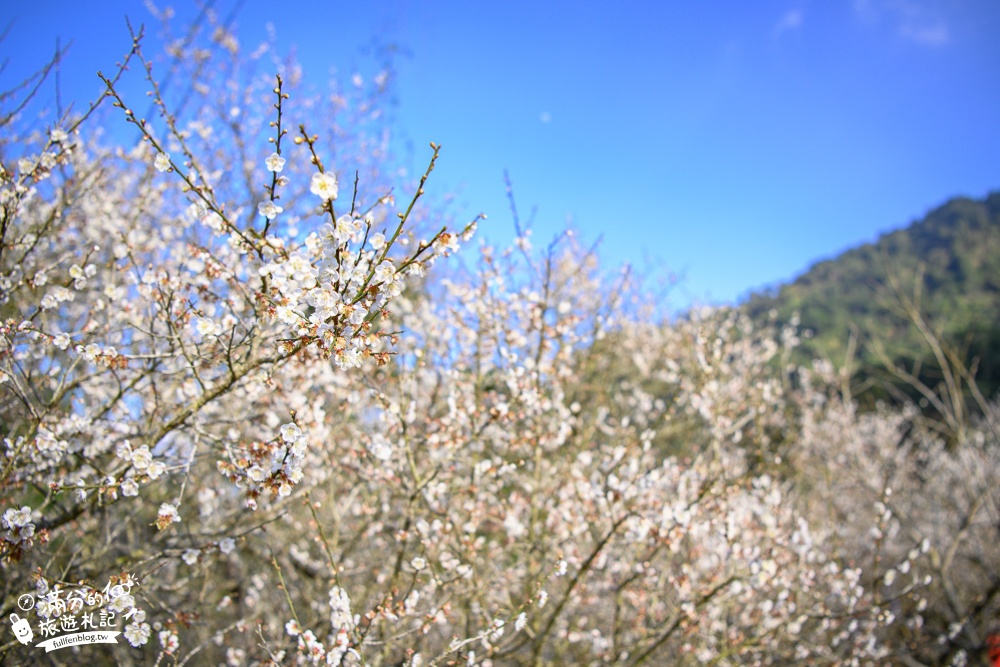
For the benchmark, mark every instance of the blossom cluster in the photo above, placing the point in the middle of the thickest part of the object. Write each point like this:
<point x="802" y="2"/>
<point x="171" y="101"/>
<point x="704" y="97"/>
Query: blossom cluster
<point x="20" y="533"/>
<point x="274" y="467"/>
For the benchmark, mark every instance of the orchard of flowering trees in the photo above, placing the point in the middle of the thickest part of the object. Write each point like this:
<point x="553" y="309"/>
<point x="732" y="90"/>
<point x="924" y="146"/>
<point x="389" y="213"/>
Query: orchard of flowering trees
<point x="252" y="413"/>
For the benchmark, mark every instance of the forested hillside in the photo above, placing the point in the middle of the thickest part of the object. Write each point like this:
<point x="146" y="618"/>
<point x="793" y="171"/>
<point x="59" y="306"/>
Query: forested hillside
<point x="948" y="263"/>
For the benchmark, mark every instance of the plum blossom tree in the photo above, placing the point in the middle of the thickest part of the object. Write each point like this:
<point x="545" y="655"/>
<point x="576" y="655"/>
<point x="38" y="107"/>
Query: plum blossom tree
<point x="271" y="417"/>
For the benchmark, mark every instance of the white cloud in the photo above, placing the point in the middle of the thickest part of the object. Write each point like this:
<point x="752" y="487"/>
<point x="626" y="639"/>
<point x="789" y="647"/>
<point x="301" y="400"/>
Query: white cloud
<point x="919" y="21"/>
<point x="929" y="34"/>
<point x="791" y="20"/>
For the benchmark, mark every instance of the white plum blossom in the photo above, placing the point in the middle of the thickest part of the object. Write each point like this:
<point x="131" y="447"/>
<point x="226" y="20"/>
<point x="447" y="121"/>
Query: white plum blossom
<point x="290" y="432"/>
<point x="345" y="229"/>
<point x="269" y="209"/>
<point x="381" y="449"/>
<point x="156" y="469"/>
<point x="129" y="487"/>
<point x="207" y="327"/>
<point x="124" y="450"/>
<point x="275" y="162"/>
<point x="122" y="603"/>
<point x="341" y="617"/>
<point x="384" y="272"/>
<point x="162" y="162"/>
<point x="141" y="458"/>
<point x="16" y="518"/>
<point x="137" y="634"/>
<point x="167" y="515"/>
<point x="168" y="640"/>
<point x="213" y="221"/>
<point x="61" y="340"/>
<point x="324" y="185"/>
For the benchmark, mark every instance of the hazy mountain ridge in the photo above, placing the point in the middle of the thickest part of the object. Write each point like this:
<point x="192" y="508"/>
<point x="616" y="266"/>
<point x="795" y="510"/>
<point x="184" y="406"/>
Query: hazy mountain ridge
<point x="956" y="248"/>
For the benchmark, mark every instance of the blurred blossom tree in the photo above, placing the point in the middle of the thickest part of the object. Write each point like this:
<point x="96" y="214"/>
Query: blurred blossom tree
<point x="224" y="385"/>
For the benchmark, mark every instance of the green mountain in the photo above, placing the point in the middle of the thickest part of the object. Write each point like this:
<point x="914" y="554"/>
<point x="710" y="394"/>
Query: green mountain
<point x="948" y="263"/>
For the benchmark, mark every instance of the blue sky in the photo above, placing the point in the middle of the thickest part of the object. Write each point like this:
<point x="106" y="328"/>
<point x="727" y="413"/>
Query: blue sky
<point x="734" y="143"/>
